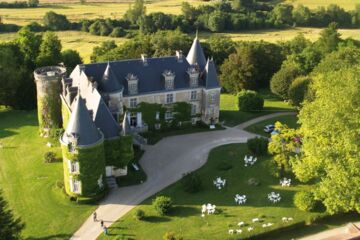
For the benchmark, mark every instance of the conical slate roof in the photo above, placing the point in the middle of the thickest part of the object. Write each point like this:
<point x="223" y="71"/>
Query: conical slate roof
<point x="126" y="130"/>
<point x="196" y="54"/>
<point x="211" y="80"/>
<point x="81" y="125"/>
<point x="109" y="82"/>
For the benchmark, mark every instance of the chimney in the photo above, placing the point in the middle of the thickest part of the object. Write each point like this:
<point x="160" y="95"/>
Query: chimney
<point x="179" y="56"/>
<point x="144" y="59"/>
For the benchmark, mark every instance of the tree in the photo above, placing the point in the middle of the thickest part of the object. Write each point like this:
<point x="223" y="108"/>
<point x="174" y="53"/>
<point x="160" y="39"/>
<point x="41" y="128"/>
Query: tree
<point x="70" y="58"/>
<point x="251" y="66"/>
<point x="29" y="44"/>
<point x="242" y="4"/>
<point x="281" y="15"/>
<point x="101" y="50"/>
<point x="298" y="90"/>
<point x="165" y="43"/>
<point x="10" y="227"/>
<point x="220" y="48"/>
<point x="216" y="21"/>
<point x="188" y="11"/>
<point x="33" y="3"/>
<point x="285" y="146"/>
<point x="250" y="101"/>
<point x="162" y="204"/>
<point x="136" y="11"/>
<point x="117" y="32"/>
<point x="329" y="38"/>
<point x="302" y="15"/>
<point x="56" y="22"/>
<point x="50" y="50"/>
<point x="282" y="80"/>
<point x="330" y="125"/>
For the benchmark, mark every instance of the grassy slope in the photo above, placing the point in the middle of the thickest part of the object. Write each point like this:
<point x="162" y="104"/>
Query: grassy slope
<point x="347" y="4"/>
<point x="232" y="116"/>
<point x="185" y="218"/>
<point x="29" y="185"/>
<point x="257" y="128"/>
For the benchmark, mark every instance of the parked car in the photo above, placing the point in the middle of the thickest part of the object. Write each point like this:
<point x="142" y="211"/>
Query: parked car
<point x="269" y="128"/>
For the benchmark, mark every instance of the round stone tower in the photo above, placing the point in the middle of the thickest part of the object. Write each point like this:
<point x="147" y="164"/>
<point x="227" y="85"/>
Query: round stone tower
<point x="48" y="89"/>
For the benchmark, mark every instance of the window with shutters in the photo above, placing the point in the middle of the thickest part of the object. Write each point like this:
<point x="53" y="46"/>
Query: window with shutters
<point x="169" y="98"/>
<point x="75" y="185"/>
<point x="73" y="167"/>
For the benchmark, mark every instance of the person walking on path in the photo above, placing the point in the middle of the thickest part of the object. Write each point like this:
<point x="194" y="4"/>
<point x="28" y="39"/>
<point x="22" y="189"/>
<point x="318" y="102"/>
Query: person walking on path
<point x="105" y="230"/>
<point x="102" y="223"/>
<point x="95" y="217"/>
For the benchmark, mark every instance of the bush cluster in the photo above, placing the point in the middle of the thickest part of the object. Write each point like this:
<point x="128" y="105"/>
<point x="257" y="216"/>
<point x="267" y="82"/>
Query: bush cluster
<point x="250" y="101"/>
<point x="49" y="157"/>
<point x="191" y="182"/>
<point x="139" y="214"/>
<point x="162" y="204"/>
<point x="258" y="145"/>
<point x="305" y="201"/>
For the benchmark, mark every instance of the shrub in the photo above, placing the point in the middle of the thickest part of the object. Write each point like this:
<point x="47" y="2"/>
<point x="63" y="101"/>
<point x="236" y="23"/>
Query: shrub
<point x="118" y="32"/>
<point x="162" y="204"/>
<point x="56" y="22"/>
<point x="304" y="201"/>
<point x="298" y="90"/>
<point x="139" y="214"/>
<point x="49" y="157"/>
<point x="60" y="184"/>
<point x="224" y="165"/>
<point x="250" y="101"/>
<point x="258" y="145"/>
<point x="191" y="182"/>
<point x="282" y="80"/>
<point x="171" y="236"/>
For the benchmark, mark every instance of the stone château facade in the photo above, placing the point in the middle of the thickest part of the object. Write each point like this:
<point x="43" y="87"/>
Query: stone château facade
<point x="99" y="106"/>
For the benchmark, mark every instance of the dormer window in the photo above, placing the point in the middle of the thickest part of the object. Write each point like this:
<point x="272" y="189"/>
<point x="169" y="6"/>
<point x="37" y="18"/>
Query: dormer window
<point x="132" y="83"/>
<point x="169" y="79"/>
<point x="193" y="76"/>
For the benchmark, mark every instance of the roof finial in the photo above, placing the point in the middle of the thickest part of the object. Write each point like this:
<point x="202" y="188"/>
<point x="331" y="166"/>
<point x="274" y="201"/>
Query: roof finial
<point x="197" y="32"/>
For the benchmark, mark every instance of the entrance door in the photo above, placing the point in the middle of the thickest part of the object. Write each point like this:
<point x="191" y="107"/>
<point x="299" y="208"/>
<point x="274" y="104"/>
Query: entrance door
<point x="133" y="120"/>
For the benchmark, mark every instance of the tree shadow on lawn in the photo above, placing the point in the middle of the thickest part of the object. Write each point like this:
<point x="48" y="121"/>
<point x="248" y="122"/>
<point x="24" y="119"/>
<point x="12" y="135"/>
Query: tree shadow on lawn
<point x="16" y="118"/>
<point x="156" y="219"/>
<point x="183" y="211"/>
<point x="51" y="237"/>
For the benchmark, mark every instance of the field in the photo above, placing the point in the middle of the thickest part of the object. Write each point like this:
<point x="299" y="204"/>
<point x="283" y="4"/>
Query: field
<point x="347" y="4"/>
<point x="185" y="218"/>
<point x="29" y="184"/>
<point x="230" y="114"/>
<point x="99" y="9"/>
<point x="84" y="42"/>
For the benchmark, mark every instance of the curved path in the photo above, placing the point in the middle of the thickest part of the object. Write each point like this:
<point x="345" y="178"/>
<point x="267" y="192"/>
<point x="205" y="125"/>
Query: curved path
<point x="164" y="164"/>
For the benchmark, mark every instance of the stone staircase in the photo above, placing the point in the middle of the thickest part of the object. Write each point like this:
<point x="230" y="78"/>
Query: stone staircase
<point x="111" y="182"/>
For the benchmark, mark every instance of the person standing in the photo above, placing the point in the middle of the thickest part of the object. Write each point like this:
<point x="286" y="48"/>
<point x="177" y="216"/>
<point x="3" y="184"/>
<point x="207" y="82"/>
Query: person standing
<point x="95" y="217"/>
<point x="102" y="223"/>
<point x="105" y="230"/>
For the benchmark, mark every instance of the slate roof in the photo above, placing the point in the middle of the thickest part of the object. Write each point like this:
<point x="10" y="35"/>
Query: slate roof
<point x="211" y="80"/>
<point x="101" y="114"/>
<point x="81" y="125"/>
<point x="108" y="82"/>
<point x="150" y="75"/>
<point x="196" y="54"/>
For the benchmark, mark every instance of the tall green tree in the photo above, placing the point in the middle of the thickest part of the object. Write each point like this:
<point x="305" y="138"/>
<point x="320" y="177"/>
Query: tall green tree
<point x="331" y="144"/>
<point x="50" y="50"/>
<point x="56" y="22"/>
<point x="282" y="80"/>
<point x="10" y="227"/>
<point x="70" y="58"/>
<point x="29" y="44"/>
<point x="329" y="38"/>
<point x="136" y="11"/>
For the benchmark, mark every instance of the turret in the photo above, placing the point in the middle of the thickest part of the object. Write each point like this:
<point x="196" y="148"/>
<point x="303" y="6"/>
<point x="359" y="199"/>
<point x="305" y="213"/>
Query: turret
<point x="196" y="54"/>
<point x="83" y="152"/>
<point x="48" y="89"/>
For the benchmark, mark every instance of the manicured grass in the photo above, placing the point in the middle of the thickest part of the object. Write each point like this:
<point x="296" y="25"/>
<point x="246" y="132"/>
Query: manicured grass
<point x="29" y="184"/>
<point x="133" y="177"/>
<point x="229" y="111"/>
<point x="258" y="128"/>
<point x="185" y="217"/>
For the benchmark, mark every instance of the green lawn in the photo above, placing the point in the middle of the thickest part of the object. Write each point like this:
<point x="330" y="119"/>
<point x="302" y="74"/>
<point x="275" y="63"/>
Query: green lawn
<point x="185" y="217"/>
<point x="29" y="184"/>
<point x="229" y="111"/>
<point x="258" y="128"/>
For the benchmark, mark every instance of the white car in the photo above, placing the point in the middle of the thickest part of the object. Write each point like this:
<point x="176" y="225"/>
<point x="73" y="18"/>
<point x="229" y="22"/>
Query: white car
<point x="269" y="128"/>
